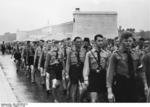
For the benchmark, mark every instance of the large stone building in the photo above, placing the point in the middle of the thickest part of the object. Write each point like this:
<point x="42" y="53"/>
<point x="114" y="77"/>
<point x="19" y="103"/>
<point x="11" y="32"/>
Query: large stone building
<point x="88" y="24"/>
<point x="84" y="24"/>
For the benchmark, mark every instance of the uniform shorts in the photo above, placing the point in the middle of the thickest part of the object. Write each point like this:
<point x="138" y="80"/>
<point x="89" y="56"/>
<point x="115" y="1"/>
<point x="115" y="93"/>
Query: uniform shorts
<point x="42" y="63"/>
<point x="75" y="74"/>
<point x="55" y="71"/>
<point x="97" y="81"/>
<point x="31" y="60"/>
<point x="36" y="62"/>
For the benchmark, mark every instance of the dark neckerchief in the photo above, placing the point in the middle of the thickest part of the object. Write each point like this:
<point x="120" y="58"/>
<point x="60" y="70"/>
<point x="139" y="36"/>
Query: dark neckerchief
<point x="65" y="54"/>
<point x="99" y="56"/>
<point x="98" y="59"/>
<point x="130" y="63"/>
<point x="78" y="55"/>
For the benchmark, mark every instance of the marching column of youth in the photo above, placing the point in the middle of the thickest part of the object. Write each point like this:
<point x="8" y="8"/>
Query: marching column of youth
<point x="94" y="71"/>
<point x="122" y="71"/>
<point x="84" y="69"/>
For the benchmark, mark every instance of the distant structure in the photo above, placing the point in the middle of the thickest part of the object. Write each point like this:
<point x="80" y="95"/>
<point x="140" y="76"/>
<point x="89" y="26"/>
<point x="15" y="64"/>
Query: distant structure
<point x="33" y="35"/>
<point x="90" y="23"/>
<point x="84" y="24"/>
<point x="8" y="37"/>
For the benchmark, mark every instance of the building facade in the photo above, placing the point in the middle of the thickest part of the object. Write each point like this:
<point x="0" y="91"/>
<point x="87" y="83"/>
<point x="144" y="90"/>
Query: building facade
<point x="84" y="24"/>
<point x="88" y="24"/>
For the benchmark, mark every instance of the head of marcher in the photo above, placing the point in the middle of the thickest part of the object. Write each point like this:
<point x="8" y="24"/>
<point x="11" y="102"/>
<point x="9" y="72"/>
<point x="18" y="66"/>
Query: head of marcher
<point x="141" y="43"/>
<point x="41" y="43"/>
<point x="48" y="46"/>
<point x="86" y="41"/>
<point x="28" y="43"/>
<point x="54" y="46"/>
<point x="77" y="42"/>
<point x="116" y="41"/>
<point x="147" y="46"/>
<point x="126" y="41"/>
<point x="67" y="42"/>
<point x="99" y="39"/>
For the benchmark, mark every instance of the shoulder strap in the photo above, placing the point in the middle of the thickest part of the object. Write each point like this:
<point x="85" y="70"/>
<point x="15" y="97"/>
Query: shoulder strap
<point x="78" y="56"/>
<point x="95" y="59"/>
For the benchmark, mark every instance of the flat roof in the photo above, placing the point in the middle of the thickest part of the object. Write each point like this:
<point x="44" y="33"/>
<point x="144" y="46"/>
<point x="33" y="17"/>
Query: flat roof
<point x="95" y="12"/>
<point x="70" y="22"/>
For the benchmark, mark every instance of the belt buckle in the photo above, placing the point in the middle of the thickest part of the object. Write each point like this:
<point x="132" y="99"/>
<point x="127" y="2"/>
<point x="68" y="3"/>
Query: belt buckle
<point x="97" y="70"/>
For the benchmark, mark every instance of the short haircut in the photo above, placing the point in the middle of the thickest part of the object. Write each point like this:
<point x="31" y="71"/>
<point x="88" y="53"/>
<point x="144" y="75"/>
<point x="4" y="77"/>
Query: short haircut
<point x="126" y="35"/>
<point x="86" y="40"/>
<point x="98" y="35"/>
<point x="68" y="38"/>
<point x="28" y="42"/>
<point x="76" y="38"/>
<point x="116" y="38"/>
<point x="41" y="40"/>
<point x="141" y="39"/>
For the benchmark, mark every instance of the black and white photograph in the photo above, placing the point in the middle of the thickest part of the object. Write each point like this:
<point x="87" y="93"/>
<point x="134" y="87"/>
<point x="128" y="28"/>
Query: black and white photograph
<point x="74" y="51"/>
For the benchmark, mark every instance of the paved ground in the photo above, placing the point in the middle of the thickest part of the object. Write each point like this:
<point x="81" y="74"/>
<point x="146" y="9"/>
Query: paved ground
<point x="6" y="93"/>
<point x="17" y="87"/>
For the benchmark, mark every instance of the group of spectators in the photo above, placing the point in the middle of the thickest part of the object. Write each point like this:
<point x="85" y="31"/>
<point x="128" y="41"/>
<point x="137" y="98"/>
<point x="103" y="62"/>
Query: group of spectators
<point x="97" y="70"/>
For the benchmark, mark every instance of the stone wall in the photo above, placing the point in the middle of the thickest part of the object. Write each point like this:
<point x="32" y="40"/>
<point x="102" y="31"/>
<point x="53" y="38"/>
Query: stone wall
<point x="88" y="24"/>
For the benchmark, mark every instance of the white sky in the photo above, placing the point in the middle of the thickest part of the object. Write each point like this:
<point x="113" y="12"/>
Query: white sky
<point x="32" y="14"/>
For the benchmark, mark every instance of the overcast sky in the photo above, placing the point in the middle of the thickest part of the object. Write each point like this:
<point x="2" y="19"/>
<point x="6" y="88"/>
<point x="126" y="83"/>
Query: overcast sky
<point x="31" y="14"/>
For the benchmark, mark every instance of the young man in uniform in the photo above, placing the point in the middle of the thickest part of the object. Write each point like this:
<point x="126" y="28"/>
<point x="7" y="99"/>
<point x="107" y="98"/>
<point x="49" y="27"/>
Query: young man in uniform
<point x="83" y="92"/>
<point x="86" y="44"/>
<point x="146" y="69"/>
<point x="47" y="71"/>
<point x="41" y="63"/>
<point x="94" y="71"/>
<point x="74" y="67"/>
<point x="17" y="56"/>
<point x="3" y="48"/>
<point x="65" y="47"/>
<point x="122" y="71"/>
<point x="28" y="54"/>
<point x="37" y="54"/>
<point x="53" y="65"/>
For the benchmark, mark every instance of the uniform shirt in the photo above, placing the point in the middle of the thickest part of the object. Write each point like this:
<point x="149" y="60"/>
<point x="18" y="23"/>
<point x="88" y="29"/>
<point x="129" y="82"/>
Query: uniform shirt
<point x="72" y="57"/>
<point x="146" y="67"/>
<point x="42" y="56"/>
<point x="119" y="65"/>
<point x="82" y="54"/>
<point x="65" y="50"/>
<point x="38" y="52"/>
<point x="52" y="58"/>
<point x="92" y="64"/>
<point x="23" y="54"/>
<point x="27" y="52"/>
